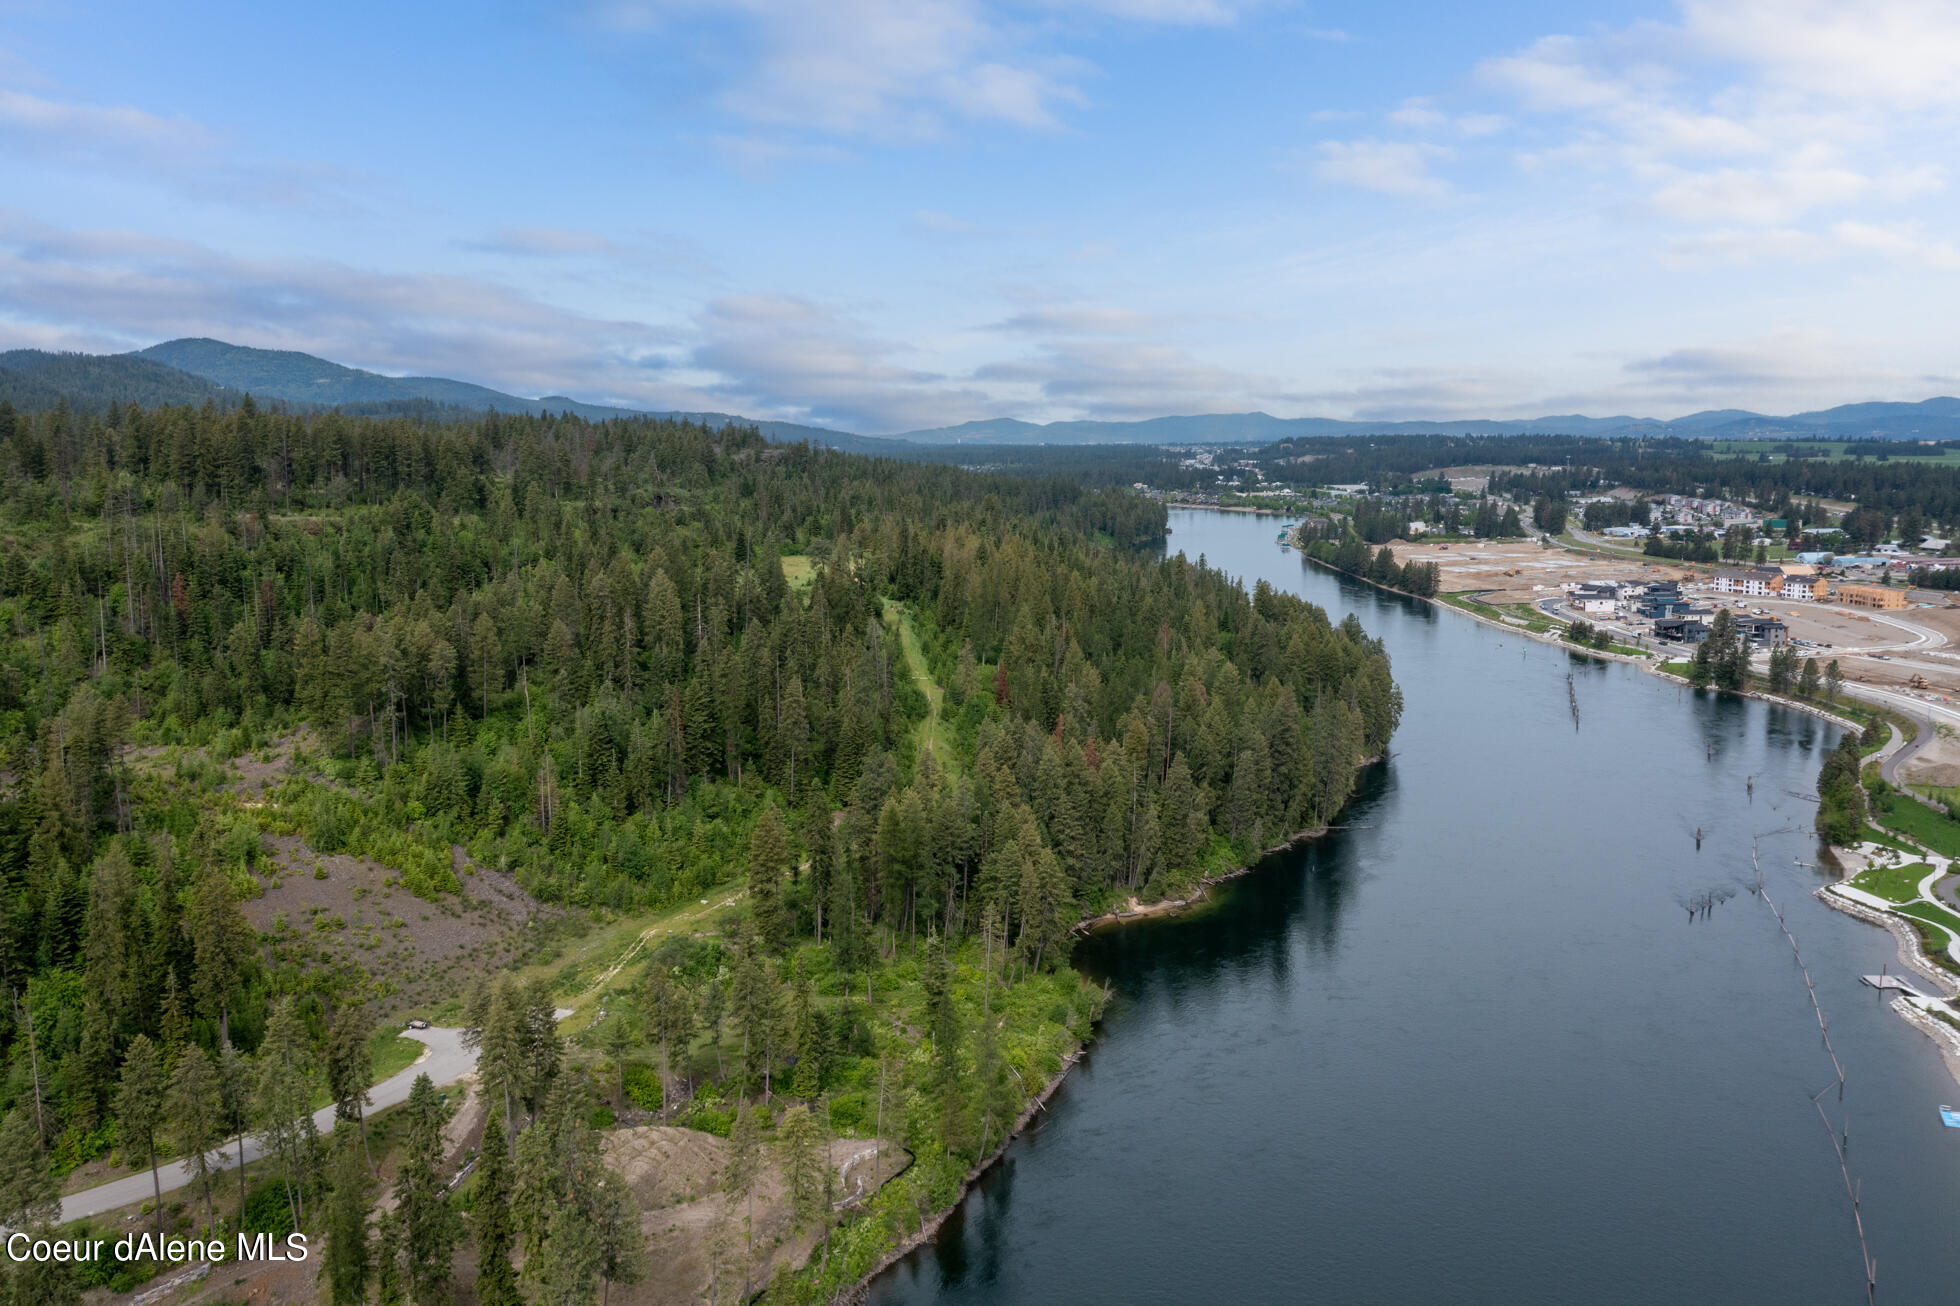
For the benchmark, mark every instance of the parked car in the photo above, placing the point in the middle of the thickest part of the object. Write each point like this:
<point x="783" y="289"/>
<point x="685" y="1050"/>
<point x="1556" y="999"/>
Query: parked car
<point x="418" y="1024"/>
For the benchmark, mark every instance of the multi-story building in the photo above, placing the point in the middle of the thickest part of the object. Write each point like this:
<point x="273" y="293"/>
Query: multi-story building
<point x="1881" y="597"/>
<point x="1758" y="582"/>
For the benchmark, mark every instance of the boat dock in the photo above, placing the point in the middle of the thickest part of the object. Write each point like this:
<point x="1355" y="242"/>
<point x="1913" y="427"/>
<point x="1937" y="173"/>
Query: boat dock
<point x="1895" y="983"/>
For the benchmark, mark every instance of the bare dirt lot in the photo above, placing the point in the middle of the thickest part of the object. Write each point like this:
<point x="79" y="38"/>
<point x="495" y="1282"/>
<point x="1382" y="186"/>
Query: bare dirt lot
<point x="674" y="1175"/>
<point x="1524" y="571"/>
<point x="340" y="909"/>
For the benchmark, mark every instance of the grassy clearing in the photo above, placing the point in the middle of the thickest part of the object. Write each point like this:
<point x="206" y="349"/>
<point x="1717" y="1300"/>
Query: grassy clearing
<point x="1892" y="883"/>
<point x="799" y="569"/>
<point x="935" y="733"/>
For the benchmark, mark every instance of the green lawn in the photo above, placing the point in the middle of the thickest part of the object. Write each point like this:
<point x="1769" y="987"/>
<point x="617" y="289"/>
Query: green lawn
<point x="1522" y="615"/>
<point x="392" y="1053"/>
<point x="1892" y="883"/>
<point x="1926" y="911"/>
<point x="1921" y="824"/>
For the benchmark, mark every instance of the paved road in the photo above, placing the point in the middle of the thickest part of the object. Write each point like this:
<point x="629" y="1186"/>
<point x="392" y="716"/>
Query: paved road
<point x="446" y="1061"/>
<point x="1922" y="736"/>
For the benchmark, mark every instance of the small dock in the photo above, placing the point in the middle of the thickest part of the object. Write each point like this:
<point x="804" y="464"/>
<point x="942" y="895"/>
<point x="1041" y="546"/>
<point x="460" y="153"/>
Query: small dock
<point x="1893" y="982"/>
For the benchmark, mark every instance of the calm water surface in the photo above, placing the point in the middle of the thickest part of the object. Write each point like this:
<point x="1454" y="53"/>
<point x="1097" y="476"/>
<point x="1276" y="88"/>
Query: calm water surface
<point x="1473" y="1050"/>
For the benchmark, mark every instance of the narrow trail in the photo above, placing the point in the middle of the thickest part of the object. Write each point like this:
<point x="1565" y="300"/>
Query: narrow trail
<point x="915" y="663"/>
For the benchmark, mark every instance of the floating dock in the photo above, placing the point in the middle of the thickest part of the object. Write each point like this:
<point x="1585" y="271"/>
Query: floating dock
<point x="1895" y="983"/>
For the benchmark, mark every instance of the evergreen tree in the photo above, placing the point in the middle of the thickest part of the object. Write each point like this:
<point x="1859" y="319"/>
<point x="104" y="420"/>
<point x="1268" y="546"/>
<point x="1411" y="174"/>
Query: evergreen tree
<point x="799" y="1149"/>
<point x="139" y="1110"/>
<point x="282" y="1102"/>
<point x="30" y="1204"/>
<point x="348" y="1260"/>
<point x="195" y="1118"/>
<point x="768" y="863"/>
<point x="621" y="1243"/>
<point x="350" y="1068"/>
<point x="490" y="1217"/>
<point x="742" y="1173"/>
<point x="429" y="1227"/>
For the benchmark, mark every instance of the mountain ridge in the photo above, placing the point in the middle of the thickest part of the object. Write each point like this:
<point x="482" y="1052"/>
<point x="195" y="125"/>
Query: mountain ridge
<point x="196" y="369"/>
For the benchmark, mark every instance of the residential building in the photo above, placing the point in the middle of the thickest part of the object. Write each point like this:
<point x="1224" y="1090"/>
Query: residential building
<point x="1758" y="582"/>
<point x="1663" y="599"/>
<point x="1680" y="630"/>
<point x="1763" y="632"/>
<point x="1871" y="596"/>
<point x="1597" y="600"/>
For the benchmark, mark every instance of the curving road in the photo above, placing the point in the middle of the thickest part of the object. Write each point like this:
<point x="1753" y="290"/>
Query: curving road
<point x="445" y="1062"/>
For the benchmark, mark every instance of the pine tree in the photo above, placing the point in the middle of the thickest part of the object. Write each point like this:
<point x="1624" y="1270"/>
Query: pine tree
<point x="348" y="1258"/>
<point x="224" y="942"/>
<point x="30" y="1203"/>
<point x="496" y="1280"/>
<point x="139" y="1110"/>
<point x="621" y="1243"/>
<point x="350" y="1068"/>
<point x="428" y="1224"/>
<point x="742" y="1173"/>
<point x="195" y="1118"/>
<point x="768" y="864"/>
<point x="799" y="1149"/>
<point x="282" y="1101"/>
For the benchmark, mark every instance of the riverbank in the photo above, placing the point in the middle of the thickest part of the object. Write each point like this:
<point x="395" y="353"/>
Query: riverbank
<point x="1931" y="1015"/>
<point x="931" y="1225"/>
<point x="929" y="1229"/>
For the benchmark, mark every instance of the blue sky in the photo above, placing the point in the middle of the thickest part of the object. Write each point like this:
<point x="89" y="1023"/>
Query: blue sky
<point x="882" y="215"/>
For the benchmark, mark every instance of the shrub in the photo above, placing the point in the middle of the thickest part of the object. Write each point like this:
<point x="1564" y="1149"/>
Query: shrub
<point x="266" y="1209"/>
<point x="643" y="1087"/>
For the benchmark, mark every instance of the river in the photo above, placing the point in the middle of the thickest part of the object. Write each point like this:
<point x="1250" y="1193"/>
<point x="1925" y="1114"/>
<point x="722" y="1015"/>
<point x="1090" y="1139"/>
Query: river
<point x="1472" y="1048"/>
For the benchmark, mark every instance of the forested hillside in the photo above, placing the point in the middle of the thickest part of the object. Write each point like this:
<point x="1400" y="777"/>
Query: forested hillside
<point x="34" y="379"/>
<point x="622" y="661"/>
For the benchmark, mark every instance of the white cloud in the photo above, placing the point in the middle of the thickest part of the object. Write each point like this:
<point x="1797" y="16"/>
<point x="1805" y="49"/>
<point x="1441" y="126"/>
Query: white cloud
<point x="1418" y="112"/>
<point x="903" y="69"/>
<point x="126" y="290"/>
<point x="1764" y="114"/>
<point x="786" y="356"/>
<point x="1391" y="167"/>
<point x="47" y="123"/>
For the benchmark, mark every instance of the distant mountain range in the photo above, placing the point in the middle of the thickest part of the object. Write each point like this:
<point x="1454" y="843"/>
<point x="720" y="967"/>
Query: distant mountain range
<point x="192" y="371"/>
<point x="1932" y="419"/>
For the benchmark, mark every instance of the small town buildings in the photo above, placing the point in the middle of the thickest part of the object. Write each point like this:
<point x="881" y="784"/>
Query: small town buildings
<point x="1881" y="597"/>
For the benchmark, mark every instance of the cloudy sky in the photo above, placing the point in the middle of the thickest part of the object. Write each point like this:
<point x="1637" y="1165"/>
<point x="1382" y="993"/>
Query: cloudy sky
<point x="882" y="214"/>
